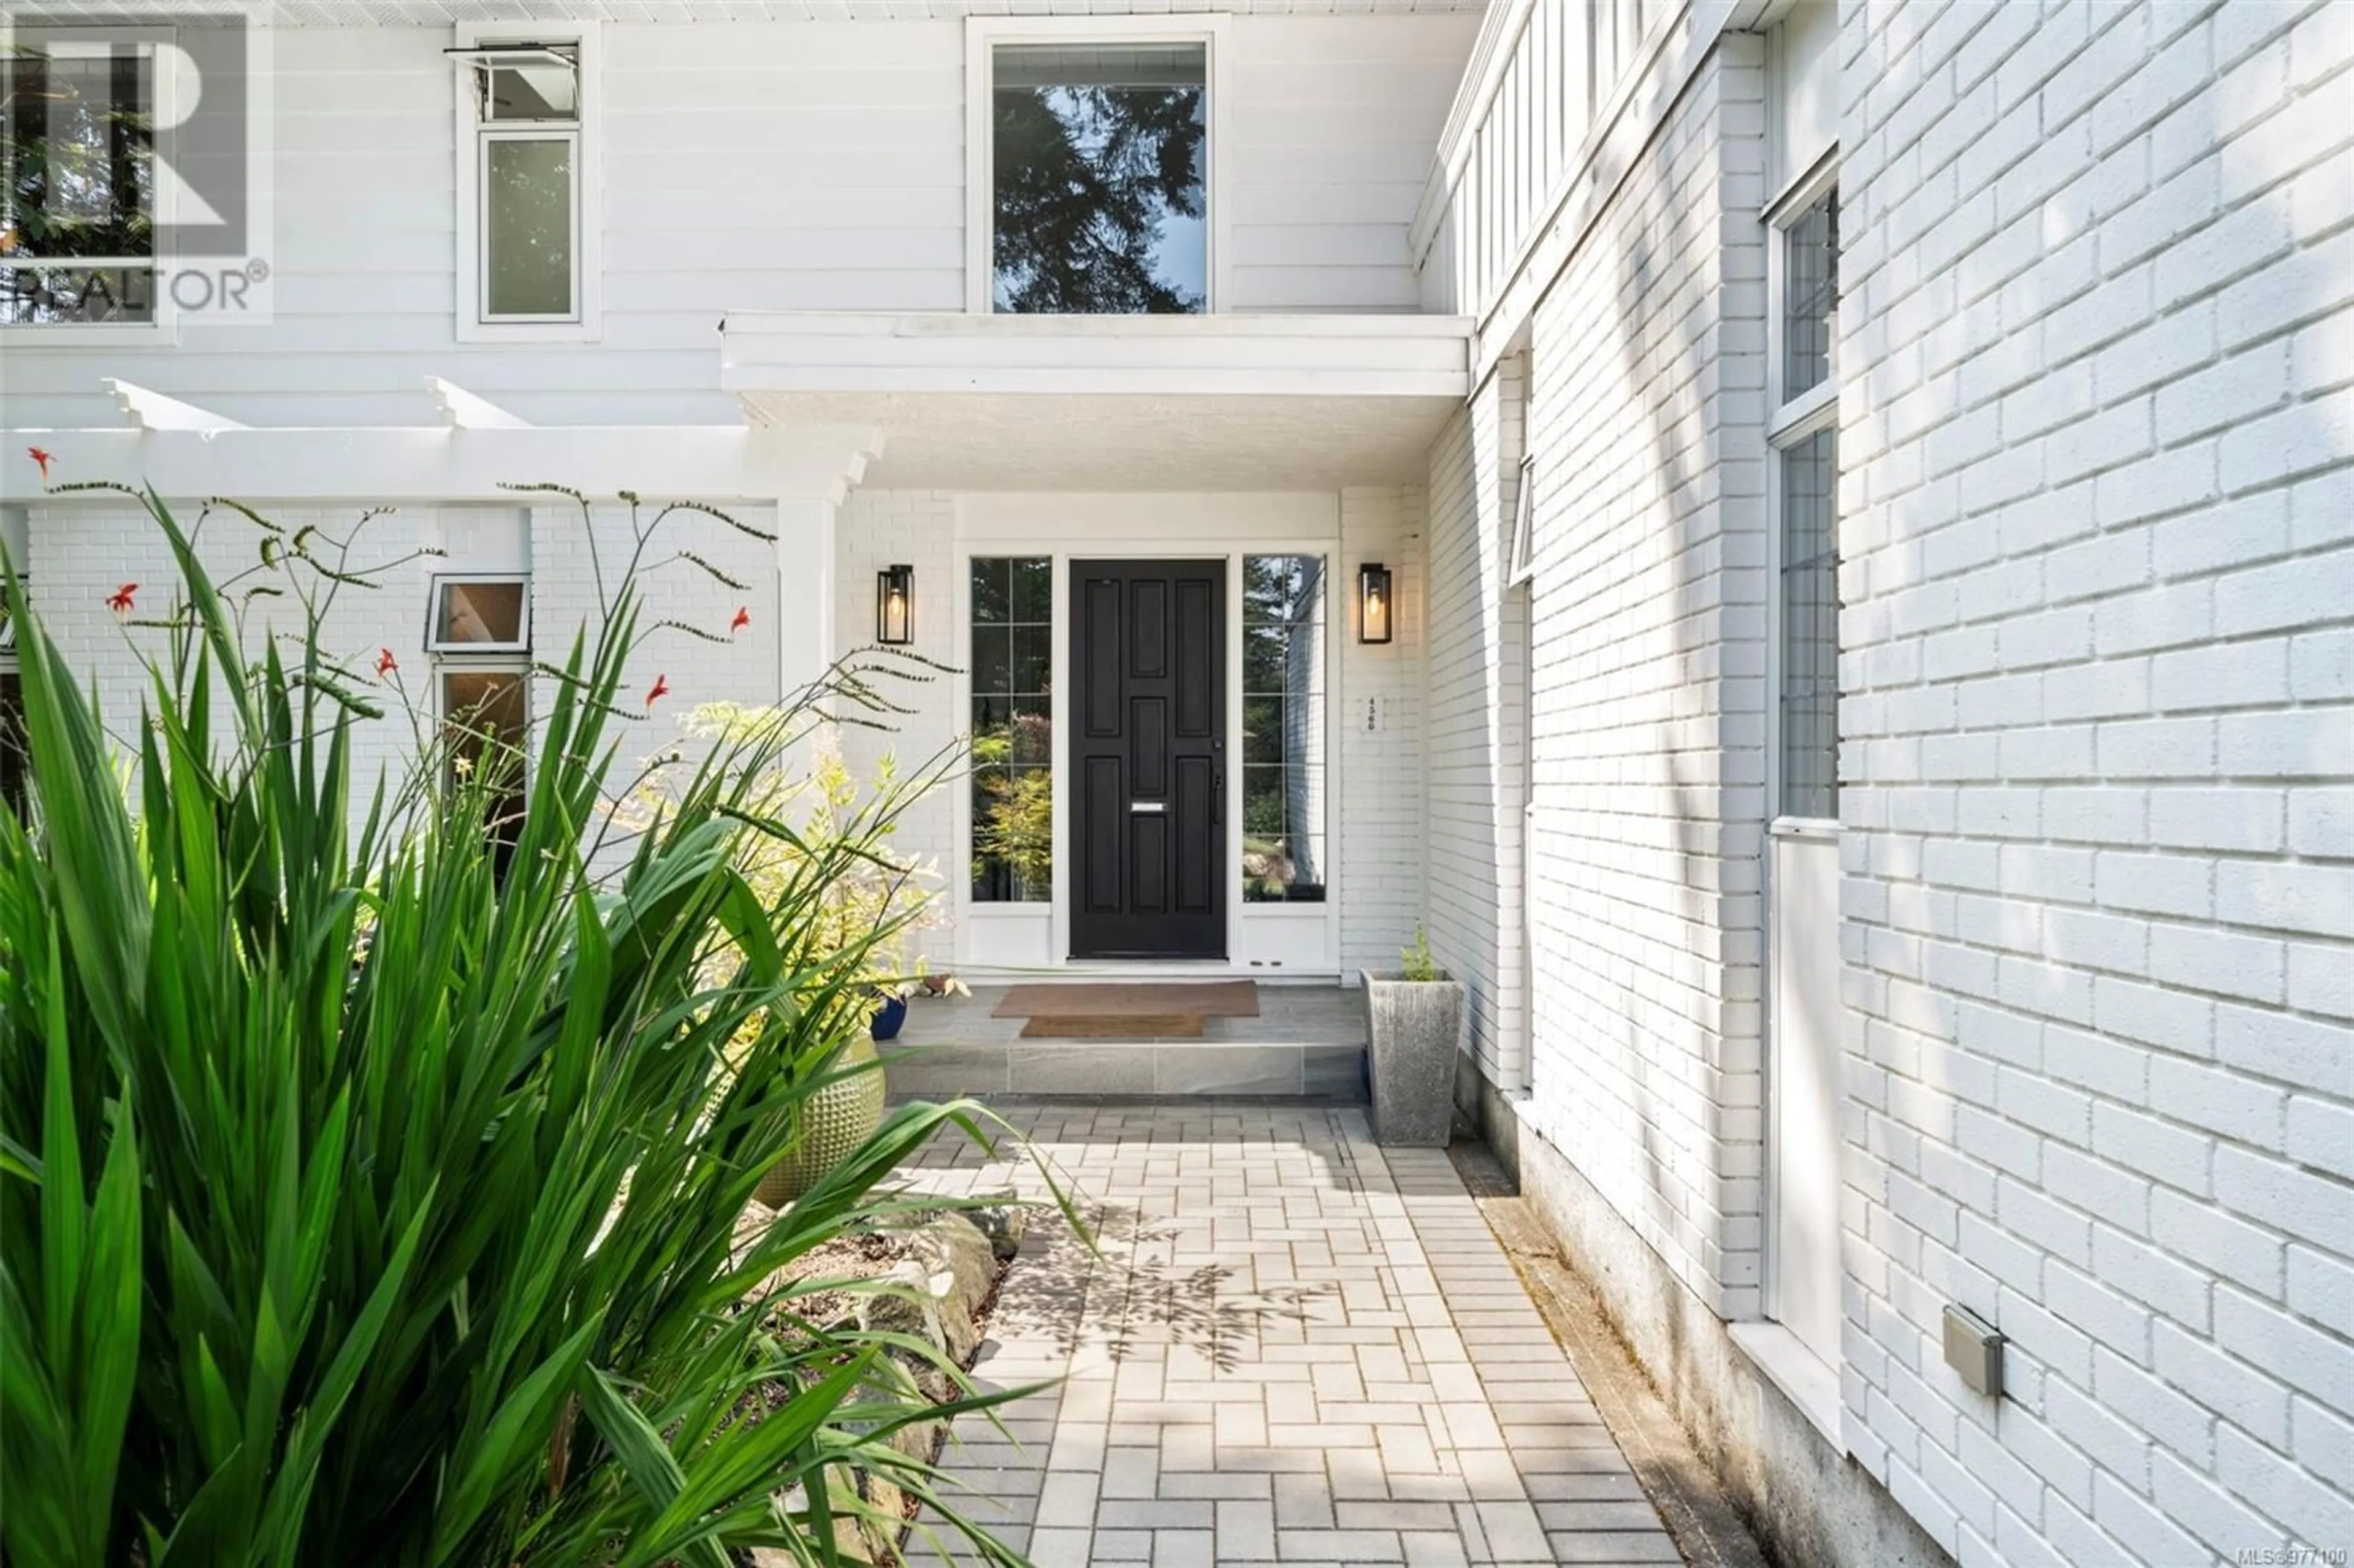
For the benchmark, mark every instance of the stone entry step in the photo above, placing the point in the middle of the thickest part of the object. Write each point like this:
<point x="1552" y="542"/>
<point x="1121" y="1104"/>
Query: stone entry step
<point x="1306" y="1040"/>
<point x="1137" y="1068"/>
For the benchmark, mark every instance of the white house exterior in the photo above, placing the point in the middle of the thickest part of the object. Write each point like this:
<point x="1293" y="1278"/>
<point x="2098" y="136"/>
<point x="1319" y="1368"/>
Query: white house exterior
<point x="1865" y="497"/>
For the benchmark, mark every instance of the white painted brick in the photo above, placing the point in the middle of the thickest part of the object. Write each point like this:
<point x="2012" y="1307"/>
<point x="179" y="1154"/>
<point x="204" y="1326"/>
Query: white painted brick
<point x="2164" y="1416"/>
<point x="2207" y="1510"/>
<point x="2303" y="1500"/>
<point x="2276" y="1193"/>
<point x="2219" y="961"/>
<point x="2321" y="1289"/>
<point x="2297" y="1051"/>
<point x="2226" y="1247"/>
<point x="2157" y="1149"/>
<point x="2220" y="1101"/>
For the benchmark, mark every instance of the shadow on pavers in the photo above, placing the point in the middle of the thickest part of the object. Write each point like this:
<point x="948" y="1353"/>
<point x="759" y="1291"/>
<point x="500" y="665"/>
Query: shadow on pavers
<point x="1707" y="1528"/>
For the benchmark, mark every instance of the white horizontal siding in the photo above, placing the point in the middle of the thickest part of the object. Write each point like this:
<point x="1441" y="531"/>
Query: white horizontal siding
<point x="758" y="166"/>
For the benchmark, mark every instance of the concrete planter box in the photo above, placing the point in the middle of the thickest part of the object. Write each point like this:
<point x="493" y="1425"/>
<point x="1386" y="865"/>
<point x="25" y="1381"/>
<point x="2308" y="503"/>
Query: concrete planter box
<point x="1417" y="1031"/>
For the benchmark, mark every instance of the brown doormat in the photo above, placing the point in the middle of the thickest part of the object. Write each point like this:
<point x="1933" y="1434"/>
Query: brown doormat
<point x="1135" y="1026"/>
<point x="1209" y="998"/>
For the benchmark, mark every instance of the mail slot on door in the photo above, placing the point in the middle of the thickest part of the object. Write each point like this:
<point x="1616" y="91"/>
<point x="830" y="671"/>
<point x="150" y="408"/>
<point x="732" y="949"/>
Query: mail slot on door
<point x="1148" y="806"/>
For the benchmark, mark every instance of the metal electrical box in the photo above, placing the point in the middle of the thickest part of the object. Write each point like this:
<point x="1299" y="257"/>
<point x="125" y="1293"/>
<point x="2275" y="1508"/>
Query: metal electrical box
<point x="1974" y="1349"/>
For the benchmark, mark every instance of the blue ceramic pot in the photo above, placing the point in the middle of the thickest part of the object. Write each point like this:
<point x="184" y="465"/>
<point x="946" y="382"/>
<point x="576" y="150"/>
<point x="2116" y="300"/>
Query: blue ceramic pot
<point x="889" y="1018"/>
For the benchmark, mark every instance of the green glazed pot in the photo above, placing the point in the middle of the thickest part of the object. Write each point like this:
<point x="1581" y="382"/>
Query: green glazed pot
<point x="834" y="1121"/>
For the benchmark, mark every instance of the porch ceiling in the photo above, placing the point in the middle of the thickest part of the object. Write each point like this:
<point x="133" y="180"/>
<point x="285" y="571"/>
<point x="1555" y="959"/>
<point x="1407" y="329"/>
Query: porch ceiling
<point x="984" y="402"/>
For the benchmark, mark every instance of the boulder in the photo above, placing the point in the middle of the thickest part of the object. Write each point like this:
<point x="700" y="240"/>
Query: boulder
<point x="1002" y="1223"/>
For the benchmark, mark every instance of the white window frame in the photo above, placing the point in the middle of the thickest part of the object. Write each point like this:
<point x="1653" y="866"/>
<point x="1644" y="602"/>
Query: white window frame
<point x="984" y="34"/>
<point x="1791" y="421"/>
<point x="1520" y="565"/>
<point x="163" y="330"/>
<point x="487" y="653"/>
<point x="585" y="323"/>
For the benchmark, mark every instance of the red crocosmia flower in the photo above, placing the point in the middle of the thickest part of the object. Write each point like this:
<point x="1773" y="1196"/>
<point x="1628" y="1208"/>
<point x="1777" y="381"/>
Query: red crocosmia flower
<point x="41" y="461"/>
<point x="743" y="619"/>
<point x="120" y="600"/>
<point x="385" y="662"/>
<point x="661" y="690"/>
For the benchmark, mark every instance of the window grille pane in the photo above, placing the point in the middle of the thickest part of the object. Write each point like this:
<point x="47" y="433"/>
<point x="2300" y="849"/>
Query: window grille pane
<point x="1810" y="294"/>
<point x="528" y="225"/>
<point x="1011" y="664"/>
<point x="1283" y="740"/>
<point x="480" y="612"/>
<point x="1810" y="568"/>
<point x="1100" y="207"/>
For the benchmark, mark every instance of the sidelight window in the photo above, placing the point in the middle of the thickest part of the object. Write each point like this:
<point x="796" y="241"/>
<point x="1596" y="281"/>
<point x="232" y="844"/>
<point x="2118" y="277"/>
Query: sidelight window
<point x="1012" y="666"/>
<point x="1284" y="743"/>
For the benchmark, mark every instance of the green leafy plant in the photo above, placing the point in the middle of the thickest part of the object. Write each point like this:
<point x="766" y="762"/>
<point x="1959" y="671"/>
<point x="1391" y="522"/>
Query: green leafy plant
<point x="366" y="1198"/>
<point x="1414" y="963"/>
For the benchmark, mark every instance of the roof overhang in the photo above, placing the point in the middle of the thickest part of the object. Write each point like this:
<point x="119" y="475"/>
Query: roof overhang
<point x="1110" y="403"/>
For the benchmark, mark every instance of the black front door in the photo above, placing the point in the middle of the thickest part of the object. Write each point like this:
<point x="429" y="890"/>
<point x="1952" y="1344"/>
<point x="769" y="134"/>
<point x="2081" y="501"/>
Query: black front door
<point x="1148" y="757"/>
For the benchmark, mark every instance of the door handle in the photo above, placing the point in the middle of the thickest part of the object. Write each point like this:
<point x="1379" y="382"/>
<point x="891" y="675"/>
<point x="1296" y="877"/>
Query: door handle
<point x="1155" y="807"/>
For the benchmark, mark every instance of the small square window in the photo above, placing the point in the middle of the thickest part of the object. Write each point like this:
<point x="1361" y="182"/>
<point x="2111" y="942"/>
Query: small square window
<point x="480" y="615"/>
<point x="1522" y="565"/>
<point x="530" y="84"/>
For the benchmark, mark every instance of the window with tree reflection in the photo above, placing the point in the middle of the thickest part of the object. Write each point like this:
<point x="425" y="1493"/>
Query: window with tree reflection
<point x="1100" y="208"/>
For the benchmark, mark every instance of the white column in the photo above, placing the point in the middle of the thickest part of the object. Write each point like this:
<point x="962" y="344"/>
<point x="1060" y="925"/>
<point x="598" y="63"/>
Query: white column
<point x="806" y="642"/>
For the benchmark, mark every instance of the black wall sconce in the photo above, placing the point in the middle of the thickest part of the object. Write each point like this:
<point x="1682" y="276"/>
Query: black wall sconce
<point x="894" y="606"/>
<point x="1373" y="602"/>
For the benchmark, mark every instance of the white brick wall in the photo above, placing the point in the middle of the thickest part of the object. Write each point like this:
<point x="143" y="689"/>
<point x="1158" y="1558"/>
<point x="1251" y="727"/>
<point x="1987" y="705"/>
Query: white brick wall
<point x="877" y="528"/>
<point x="82" y="551"/>
<point x="1471" y="782"/>
<point x="1648" y="608"/>
<point x="2097" y="335"/>
<point x="1381" y="836"/>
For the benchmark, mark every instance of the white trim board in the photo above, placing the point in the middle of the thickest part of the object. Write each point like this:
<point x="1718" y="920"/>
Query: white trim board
<point x="378" y="463"/>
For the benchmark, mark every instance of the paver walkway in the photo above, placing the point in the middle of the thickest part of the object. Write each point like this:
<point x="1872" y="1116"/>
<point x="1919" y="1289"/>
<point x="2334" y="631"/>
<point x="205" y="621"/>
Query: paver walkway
<point x="1295" y="1347"/>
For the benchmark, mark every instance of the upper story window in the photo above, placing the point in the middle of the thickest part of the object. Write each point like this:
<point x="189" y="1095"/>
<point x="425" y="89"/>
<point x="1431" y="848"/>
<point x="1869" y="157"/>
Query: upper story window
<point x="528" y="238"/>
<point x="1096" y="172"/>
<point x="78" y="181"/>
<point x="528" y="106"/>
